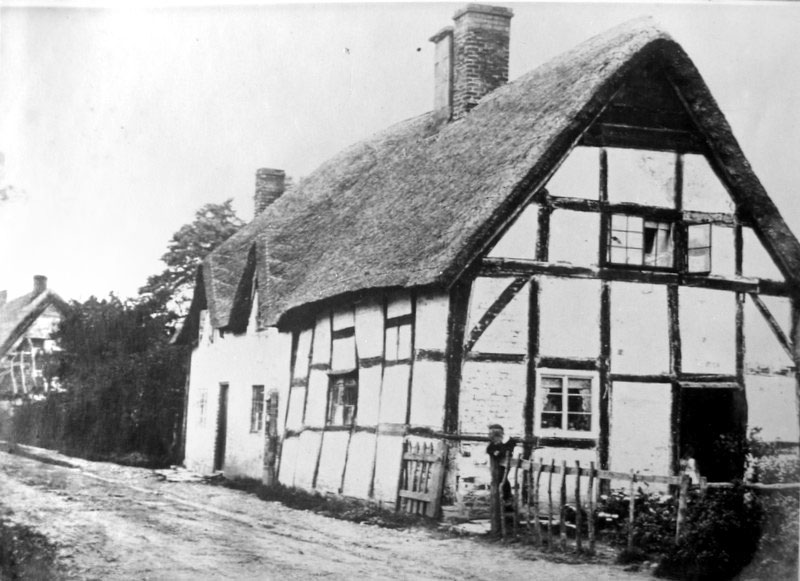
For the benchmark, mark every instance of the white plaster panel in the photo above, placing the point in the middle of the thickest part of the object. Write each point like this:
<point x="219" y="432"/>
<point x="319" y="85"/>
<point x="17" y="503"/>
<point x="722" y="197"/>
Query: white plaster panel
<point x="772" y="406"/>
<point x="343" y="318"/>
<point x="387" y="468"/>
<point x="569" y="317"/>
<point x="702" y="190"/>
<point x="344" y="354"/>
<point x="398" y="303"/>
<point x="331" y="461"/>
<point x="303" y="355"/>
<point x="763" y="352"/>
<point x="640" y="436"/>
<point x="428" y="394"/>
<point x="708" y="330"/>
<point x="307" y="454"/>
<point x="519" y="241"/>
<point x="369" y="391"/>
<point x="508" y="332"/>
<point x="321" y="352"/>
<point x="394" y="394"/>
<point x="317" y="400"/>
<point x="433" y="308"/>
<point x="279" y="373"/>
<point x="639" y="328"/>
<point x="369" y="328"/>
<point x="723" y="252"/>
<point x="492" y="392"/>
<point x="756" y="261"/>
<point x="297" y="400"/>
<point x="358" y="473"/>
<point x="289" y="451"/>
<point x="578" y="176"/>
<point x="574" y="237"/>
<point x="641" y="177"/>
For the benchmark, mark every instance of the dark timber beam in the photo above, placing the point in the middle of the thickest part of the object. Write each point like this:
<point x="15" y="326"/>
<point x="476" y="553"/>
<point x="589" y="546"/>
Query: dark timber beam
<point x="773" y="324"/>
<point x="456" y="323"/>
<point x="491" y="313"/>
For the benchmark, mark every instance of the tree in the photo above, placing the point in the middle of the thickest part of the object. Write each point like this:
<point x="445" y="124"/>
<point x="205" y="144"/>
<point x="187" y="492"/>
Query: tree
<point x="172" y="288"/>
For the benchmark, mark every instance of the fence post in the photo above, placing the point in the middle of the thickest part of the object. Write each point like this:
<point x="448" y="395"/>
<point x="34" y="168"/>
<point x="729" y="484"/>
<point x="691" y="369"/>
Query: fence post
<point x="631" y="511"/>
<point x="550" y="505"/>
<point x="503" y="480"/>
<point x="537" y="525"/>
<point x="578" y="519"/>
<point x="590" y="511"/>
<point x="515" y="495"/>
<point x="562" y="527"/>
<point x="495" y="511"/>
<point x="682" y="503"/>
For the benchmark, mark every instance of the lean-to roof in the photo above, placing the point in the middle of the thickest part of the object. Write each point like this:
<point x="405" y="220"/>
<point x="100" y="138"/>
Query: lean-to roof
<point x="413" y="205"/>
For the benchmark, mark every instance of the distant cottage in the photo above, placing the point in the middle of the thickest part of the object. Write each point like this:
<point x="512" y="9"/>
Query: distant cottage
<point x="582" y="255"/>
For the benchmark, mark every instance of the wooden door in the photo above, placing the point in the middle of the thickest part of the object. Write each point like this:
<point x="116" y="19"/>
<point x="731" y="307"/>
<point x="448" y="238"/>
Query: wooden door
<point x="222" y="428"/>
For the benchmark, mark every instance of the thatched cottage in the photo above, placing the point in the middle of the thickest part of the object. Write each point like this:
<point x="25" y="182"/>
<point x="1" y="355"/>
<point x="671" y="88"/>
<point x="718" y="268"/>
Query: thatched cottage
<point x="582" y="255"/>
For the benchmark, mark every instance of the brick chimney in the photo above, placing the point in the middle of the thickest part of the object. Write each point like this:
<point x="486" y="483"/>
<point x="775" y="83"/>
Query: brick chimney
<point x="39" y="284"/>
<point x="471" y="58"/>
<point x="270" y="185"/>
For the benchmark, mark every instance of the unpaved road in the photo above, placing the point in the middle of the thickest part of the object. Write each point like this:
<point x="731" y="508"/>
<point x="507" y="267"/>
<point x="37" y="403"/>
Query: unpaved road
<point x="114" y="522"/>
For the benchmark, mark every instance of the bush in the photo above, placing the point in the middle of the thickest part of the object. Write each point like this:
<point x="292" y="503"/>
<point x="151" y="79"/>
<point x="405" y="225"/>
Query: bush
<point x="653" y="525"/>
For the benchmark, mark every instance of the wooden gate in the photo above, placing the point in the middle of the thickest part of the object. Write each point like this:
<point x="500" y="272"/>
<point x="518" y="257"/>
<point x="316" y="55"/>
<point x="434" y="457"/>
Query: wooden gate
<point x="422" y="477"/>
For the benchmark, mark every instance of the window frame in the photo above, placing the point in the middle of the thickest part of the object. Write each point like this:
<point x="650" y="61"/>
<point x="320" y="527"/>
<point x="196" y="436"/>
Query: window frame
<point x="674" y="228"/>
<point x="565" y="375"/>
<point x="256" y="413"/>
<point x="331" y="407"/>
<point x="708" y="248"/>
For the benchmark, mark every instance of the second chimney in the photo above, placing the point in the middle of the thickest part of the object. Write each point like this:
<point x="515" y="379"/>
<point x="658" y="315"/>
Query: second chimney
<point x="270" y="184"/>
<point x="39" y="284"/>
<point x="480" y="54"/>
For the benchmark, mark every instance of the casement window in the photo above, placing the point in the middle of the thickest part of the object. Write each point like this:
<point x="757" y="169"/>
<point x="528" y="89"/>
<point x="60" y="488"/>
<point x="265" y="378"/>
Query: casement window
<point x="567" y="403"/>
<point x="342" y="399"/>
<point x="257" y="409"/>
<point x="698" y="248"/>
<point x="636" y="241"/>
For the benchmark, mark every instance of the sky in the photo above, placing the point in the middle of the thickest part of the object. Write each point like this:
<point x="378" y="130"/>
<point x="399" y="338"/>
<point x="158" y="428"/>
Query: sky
<point x="117" y="123"/>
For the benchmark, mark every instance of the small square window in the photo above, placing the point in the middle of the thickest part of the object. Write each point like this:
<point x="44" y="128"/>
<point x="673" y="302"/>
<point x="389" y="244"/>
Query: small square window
<point x="567" y="405"/>
<point x="342" y="399"/>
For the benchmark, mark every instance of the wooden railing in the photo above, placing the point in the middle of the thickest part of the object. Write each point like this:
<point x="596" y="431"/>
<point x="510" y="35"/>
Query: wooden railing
<point x="528" y="479"/>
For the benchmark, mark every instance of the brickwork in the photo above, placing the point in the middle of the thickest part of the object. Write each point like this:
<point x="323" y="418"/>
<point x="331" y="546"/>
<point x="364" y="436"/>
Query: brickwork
<point x="270" y="184"/>
<point x="480" y="54"/>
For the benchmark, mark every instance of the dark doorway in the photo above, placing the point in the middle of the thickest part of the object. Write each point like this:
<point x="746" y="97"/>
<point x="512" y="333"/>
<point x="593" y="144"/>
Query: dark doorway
<point x="271" y="439"/>
<point x="712" y="430"/>
<point x="222" y="427"/>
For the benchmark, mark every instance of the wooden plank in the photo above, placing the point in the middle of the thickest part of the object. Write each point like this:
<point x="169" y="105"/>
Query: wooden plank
<point x="414" y="495"/>
<point x="494" y="309"/>
<point x="578" y="508"/>
<point x="550" y="505"/>
<point x="537" y="525"/>
<point x="562" y="525"/>
<point x="437" y="481"/>
<point x="481" y="357"/>
<point x="590" y="497"/>
<point x="616" y="135"/>
<point x="580" y="363"/>
<point x="605" y="381"/>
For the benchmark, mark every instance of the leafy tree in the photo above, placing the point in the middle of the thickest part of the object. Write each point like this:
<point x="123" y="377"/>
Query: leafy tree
<point x="172" y="288"/>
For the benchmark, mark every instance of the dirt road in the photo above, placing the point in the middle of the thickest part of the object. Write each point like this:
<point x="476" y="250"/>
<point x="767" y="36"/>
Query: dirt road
<point x="114" y="522"/>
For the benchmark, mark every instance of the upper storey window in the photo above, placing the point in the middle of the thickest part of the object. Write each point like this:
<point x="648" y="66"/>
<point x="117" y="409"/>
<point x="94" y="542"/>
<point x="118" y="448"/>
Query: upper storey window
<point x="639" y="242"/>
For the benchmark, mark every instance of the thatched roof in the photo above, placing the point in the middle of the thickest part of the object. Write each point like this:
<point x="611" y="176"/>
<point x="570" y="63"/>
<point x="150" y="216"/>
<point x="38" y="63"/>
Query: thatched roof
<point x="18" y="315"/>
<point x="413" y="205"/>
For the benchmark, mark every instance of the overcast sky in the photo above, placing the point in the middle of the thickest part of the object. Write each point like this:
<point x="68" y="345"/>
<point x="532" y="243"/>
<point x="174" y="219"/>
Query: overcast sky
<point x="117" y="124"/>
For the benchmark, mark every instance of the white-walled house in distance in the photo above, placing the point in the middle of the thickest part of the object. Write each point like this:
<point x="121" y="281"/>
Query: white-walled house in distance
<point x="582" y="255"/>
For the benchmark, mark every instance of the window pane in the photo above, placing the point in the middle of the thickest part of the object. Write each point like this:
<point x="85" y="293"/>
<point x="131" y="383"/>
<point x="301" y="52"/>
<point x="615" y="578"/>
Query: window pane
<point x="633" y="256"/>
<point x="635" y="240"/>
<point x="579" y="422"/>
<point x="699" y="260"/>
<point x="551" y="382"/>
<point x="618" y="255"/>
<point x="550" y="420"/>
<point x="699" y="235"/>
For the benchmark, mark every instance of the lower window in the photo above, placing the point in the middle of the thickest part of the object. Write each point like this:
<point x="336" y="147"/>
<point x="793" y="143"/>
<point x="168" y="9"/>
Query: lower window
<point x="567" y="403"/>
<point x="257" y="409"/>
<point x="342" y="399"/>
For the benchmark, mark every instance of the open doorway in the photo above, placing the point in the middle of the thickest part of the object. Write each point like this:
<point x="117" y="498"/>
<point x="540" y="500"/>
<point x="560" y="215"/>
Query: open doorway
<point x="222" y="428"/>
<point x="713" y="423"/>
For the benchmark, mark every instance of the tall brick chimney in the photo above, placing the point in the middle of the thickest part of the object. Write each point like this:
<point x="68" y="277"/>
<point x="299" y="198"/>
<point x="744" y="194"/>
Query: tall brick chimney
<point x="39" y="284"/>
<point x="270" y="185"/>
<point x="443" y="72"/>
<point x="479" y="54"/>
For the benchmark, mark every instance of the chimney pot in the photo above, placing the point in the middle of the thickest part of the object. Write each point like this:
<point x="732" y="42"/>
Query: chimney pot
<point x="270" y="185"/>
<point x="39" y="284"/>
